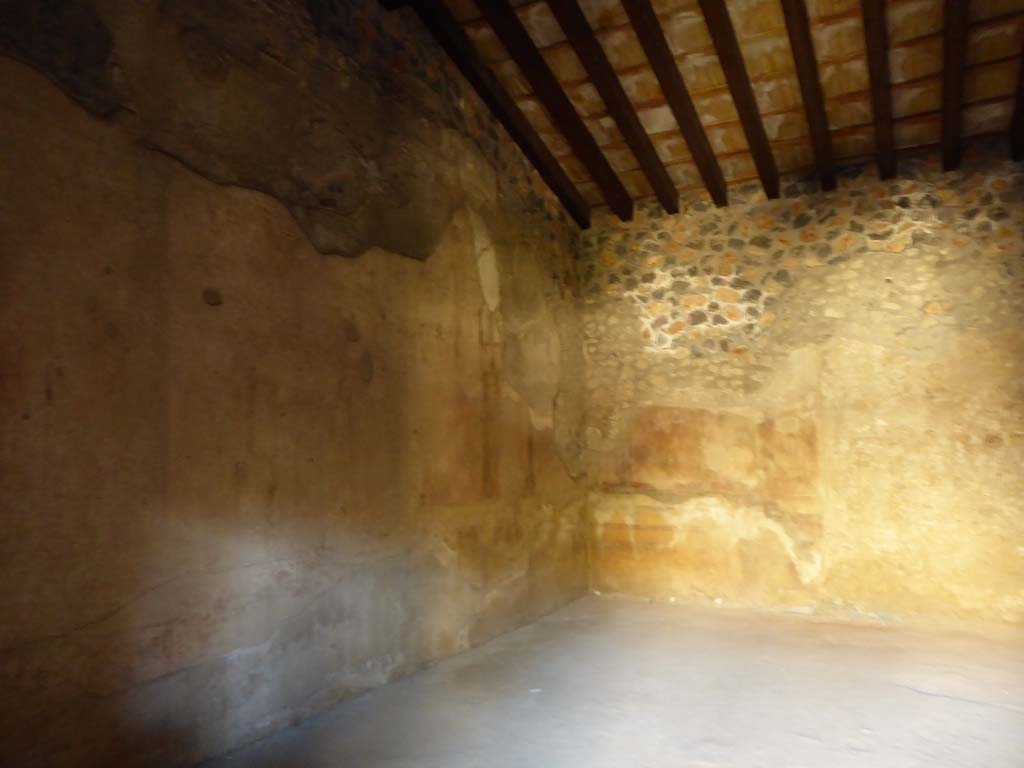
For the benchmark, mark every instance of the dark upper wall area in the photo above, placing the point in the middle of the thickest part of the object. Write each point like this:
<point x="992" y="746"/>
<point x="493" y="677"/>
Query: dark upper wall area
<point x="261" y="95"/>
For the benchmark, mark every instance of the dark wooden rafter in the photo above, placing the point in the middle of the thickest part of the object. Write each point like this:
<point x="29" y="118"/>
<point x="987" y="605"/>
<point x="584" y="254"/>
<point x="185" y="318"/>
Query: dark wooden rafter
<point x="652" y="39"/>
<point x="546" y="88"/>
<point x="590" y="53"/>
<point x="876" y="39"/>
<point x="954" y="53"/>
<point x="1017" y="124"/>
<point x="799" y="29"/>
<point x="723" y="35"/>
<point x="451" y="37"/>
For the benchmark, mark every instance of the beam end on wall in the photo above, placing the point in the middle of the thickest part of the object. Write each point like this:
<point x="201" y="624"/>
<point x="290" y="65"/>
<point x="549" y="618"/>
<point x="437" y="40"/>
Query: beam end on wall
<point x="652" y="39"/>
<point x="876" y="41"/>
<point x="1017" y="122"/>
<point x="723" y="35"/>
<point x="886" y="167"/>
<point x="954" y="55"/>
<point x="799" y="30"/>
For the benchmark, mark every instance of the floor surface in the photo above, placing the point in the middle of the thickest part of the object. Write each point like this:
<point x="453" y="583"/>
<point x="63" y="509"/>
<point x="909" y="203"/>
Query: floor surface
<point x="610" y="683"/>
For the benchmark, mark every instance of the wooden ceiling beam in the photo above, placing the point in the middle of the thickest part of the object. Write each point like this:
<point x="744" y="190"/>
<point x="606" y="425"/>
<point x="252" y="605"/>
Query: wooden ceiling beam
<point x="954" y="54"/>
<point x="723" y="35"/>
<point x="876" y="40"/>
<point x="799" y="29"/>
<point x="546" y="88"/>
<point x="1017" y="124"/>
<point x="453" y="39"/>
<point x="652" y="39"/>
<point x="580" y="35"/>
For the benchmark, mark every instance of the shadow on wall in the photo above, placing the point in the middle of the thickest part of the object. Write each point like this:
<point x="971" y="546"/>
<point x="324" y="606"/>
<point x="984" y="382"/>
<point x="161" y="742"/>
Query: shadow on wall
<point x="241" y="480"/>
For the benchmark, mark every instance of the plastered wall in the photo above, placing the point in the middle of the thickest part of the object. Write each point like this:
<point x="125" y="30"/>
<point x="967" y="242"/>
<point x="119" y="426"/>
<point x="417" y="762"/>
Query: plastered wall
<point x="242" y="479"/>
<point x="815" y="402"/>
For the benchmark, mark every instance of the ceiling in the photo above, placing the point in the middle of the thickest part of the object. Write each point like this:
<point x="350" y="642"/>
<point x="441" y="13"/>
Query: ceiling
<point x="800" y="83"/>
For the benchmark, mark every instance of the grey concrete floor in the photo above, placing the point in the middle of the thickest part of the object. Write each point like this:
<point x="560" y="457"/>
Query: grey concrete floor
<point x="610" y="683"/>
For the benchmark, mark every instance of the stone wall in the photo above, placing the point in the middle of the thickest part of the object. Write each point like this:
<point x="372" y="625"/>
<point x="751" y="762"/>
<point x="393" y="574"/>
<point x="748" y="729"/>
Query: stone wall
<point x="818" y="401"/>
<point x="242" y="479"/>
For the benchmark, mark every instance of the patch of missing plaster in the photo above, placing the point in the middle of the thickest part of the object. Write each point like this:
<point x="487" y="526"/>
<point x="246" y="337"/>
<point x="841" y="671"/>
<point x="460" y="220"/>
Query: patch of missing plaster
<point x="486" y="262"/>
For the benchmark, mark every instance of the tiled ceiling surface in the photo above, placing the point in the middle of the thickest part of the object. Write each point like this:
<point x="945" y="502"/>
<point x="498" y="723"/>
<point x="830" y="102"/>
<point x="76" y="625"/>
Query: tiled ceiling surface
<point x="995" y="39"/>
